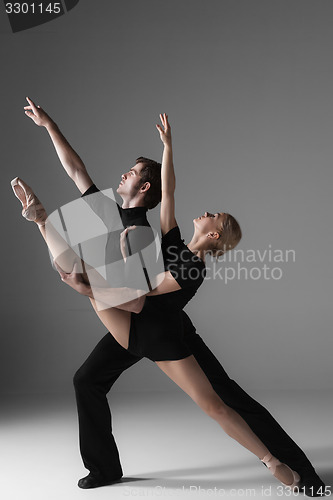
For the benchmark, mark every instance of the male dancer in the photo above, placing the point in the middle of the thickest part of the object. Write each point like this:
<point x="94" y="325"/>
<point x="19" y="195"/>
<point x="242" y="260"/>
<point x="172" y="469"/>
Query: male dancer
<point x="109" y="359"/>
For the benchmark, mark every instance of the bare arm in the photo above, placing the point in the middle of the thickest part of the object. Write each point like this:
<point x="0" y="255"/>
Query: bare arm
<point x="165" y="283"/>
<point x="70" y="160"/>
<point x="168" y="284"/>
<point x="167" y="213"/>
<point x="92" y="284"/>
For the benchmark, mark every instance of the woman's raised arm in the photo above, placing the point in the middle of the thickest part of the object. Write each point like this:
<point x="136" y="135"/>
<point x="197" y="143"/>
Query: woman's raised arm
<point x="167" y="214"/>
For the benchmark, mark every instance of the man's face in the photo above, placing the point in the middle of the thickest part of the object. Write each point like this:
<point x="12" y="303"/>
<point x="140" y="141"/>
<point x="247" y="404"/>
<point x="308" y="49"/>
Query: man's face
<point x="130" y="182"/>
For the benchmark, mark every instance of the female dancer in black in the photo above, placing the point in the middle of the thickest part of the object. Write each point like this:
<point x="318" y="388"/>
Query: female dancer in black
<point x="213" y="233"/>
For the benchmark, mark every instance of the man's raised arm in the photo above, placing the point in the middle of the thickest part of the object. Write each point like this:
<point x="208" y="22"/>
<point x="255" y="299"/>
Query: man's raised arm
<point x="70" y="160"/>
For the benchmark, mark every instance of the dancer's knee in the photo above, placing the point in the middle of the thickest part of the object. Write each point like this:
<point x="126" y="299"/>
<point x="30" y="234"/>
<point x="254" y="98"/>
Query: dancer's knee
<point x="214" y="408"/>
<point x="81" y="378"/>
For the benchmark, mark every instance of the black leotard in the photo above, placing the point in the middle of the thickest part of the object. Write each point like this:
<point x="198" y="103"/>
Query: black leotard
<point x="157" y="331"/>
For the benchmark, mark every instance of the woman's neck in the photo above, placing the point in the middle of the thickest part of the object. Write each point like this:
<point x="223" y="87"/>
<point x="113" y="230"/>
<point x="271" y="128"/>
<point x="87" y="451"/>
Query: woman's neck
<point x="196" y="245"/>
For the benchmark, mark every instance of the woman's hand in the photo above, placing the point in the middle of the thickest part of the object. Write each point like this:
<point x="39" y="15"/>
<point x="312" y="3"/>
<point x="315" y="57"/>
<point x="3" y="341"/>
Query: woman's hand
<point x="165" y="132"/>
<point x="37" y="114"/>
<point x="123" y="245"/>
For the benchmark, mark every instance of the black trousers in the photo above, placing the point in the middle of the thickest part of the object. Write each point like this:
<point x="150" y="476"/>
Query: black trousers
<point x="109" y="359"/>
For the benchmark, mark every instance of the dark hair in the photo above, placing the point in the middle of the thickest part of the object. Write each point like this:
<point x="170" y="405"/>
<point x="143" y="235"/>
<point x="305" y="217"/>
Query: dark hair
<point x="151" y="172"/>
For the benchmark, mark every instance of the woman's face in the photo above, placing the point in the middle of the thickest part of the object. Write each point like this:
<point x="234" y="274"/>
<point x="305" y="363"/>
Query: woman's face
<point x="209" y="222"/>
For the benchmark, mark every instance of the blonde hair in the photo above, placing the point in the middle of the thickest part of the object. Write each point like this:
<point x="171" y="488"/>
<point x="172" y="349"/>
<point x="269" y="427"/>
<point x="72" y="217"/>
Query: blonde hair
<point x="230" y="233"/>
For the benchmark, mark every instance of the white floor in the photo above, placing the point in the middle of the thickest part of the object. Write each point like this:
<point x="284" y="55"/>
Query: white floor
<point x="168" y="448"/>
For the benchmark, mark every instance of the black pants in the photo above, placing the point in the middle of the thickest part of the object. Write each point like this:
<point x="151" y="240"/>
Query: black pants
<point x="109" y="359"/>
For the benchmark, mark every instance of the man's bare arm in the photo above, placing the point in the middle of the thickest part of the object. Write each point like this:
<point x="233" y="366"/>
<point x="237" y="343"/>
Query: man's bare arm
<point x="70" y="160"/>
<point x="127" y="299"/>
<point x="123" y="298"/>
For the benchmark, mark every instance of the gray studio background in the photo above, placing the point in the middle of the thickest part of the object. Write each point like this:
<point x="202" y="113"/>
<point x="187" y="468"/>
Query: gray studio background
<point x="248" y="89"/>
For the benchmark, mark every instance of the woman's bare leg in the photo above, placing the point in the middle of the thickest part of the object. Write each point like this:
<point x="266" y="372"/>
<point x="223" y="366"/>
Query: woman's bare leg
<point x="117" y="321"/>
<point x="188" y="375"/>
<point x="63" y="254"/>
<point x="33" y="210"/>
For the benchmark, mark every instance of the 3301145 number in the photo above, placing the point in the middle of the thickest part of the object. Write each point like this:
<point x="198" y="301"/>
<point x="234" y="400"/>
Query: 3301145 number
<point x="32" y="8"/>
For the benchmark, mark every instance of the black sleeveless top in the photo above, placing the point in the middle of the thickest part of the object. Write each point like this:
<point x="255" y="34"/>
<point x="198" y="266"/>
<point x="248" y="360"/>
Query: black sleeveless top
<point x="186" y="268"/>
<point x="157" y="332"/>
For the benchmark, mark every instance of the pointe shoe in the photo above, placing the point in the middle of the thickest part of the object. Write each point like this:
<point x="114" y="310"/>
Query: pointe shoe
<point x="32" y="209"/>
<point x="272" y="463"/>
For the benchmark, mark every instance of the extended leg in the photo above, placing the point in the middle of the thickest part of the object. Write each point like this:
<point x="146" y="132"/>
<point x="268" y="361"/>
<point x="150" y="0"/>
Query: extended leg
<point x="33" y="210"/>
<point x="92" y="382"/>
<point x="189" y="376"/>
<point x="257" y="417"/>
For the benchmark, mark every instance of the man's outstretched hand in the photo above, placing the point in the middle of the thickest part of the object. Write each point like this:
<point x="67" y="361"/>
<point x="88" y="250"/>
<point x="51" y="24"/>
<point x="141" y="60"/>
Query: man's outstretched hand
<point x="165" y="132"/>
<point x="37" y="114"/>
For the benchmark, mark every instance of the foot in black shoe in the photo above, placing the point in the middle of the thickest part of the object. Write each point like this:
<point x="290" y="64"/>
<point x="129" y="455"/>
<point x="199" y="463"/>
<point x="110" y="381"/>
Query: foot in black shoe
<point x="93" y="481"/>
<point x="312" y="486"/>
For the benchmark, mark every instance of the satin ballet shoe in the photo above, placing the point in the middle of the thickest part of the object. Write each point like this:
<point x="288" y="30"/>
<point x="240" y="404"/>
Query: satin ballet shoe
<point x="32" y="209"/>
<point x="272" y="463"/>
